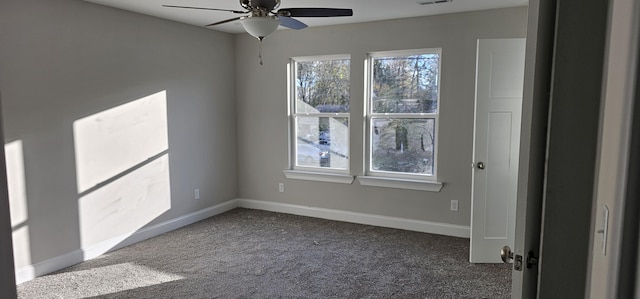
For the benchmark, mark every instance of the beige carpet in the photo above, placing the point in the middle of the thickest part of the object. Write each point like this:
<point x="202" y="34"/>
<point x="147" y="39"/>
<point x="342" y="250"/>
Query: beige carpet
<point x="256" y="254"/>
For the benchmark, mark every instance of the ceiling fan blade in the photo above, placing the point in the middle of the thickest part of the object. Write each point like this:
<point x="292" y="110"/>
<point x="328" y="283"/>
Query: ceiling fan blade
<point x="222" y="22"/>
<point x="206" y="8"/>
<point x="292" y="23"/>
<point x="315" y="12"/>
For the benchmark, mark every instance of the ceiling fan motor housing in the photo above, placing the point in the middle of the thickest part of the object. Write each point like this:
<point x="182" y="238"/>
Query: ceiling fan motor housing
<point x="269" y="5"/>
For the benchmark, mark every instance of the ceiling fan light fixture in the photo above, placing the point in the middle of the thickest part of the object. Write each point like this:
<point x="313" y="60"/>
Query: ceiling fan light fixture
<point x="260" y="27"/>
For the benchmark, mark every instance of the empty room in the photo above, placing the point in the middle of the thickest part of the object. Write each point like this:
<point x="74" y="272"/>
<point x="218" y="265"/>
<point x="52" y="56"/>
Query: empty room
<point x="311" y="149"/>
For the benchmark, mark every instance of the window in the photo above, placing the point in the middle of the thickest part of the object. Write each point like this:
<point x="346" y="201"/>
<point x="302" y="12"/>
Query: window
<point x="320" y="113"/>
<point x="402" y="116"/>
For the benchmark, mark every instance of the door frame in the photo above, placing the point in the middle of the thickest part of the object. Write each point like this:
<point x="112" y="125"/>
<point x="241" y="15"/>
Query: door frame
<point x="7" y="270"/>
<point x="567" y="57"/>
<point x="618" y="163"/>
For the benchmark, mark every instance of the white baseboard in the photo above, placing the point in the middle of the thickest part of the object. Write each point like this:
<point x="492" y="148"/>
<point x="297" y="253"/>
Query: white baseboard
<point x="30" y="272"/>
<point x="98" y="249"/>
<point x="360" y="218"/>
<point x="45" y="267"/>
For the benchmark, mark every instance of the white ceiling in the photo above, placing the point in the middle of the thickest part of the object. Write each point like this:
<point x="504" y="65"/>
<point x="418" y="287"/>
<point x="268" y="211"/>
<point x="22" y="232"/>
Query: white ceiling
<point x="363" y="10"/>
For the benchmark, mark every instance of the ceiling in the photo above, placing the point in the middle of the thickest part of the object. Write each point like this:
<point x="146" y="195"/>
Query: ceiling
<point x="363" y="10"/>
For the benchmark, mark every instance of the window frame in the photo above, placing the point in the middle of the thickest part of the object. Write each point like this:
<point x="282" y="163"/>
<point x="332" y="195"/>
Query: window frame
<point x="296" y="171"/>
<point x="391" y="178"/>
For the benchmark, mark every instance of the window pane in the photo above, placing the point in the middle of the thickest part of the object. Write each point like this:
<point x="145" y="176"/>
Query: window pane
<point x="322" y="142"/>
<point x="322" y="86"/>
<point x="405" y="84"/>
<point x="403" y="145"/>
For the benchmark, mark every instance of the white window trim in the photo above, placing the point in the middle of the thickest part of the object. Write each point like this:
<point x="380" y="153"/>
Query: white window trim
<point x="423" y="182"/>
<point x="309" y="172"/>
<point x="319" y="176"/>
<point x="400" y="183"/>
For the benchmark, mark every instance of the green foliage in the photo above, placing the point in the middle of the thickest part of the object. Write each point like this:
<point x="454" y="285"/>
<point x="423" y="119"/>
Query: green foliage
<point x="403" y="145"/>
<point x="409" y="161"/>
<point x="406" y="84"/>
<point x="324" y="83"/>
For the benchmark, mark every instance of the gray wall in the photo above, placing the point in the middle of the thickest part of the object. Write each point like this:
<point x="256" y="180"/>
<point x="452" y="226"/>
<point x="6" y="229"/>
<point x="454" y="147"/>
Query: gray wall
<point x="64" y="60"/>
<point x="262" y="101"/>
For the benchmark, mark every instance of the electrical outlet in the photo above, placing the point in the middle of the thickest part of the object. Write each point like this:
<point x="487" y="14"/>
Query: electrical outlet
<point x="196" y="194"/>
<point x="454" y="205"/>
<point x="281" y="187"/>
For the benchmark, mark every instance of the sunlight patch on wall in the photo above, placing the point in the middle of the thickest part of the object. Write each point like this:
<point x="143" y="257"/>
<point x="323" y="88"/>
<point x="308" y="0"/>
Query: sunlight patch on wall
<point x="122" y="163"/>
<point x="14" y="156"/>
<point x="125" y="205"/>
<point x="110" y="142"/>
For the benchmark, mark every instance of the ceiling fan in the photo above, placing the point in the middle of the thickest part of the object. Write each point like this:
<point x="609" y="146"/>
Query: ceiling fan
<point x="262" y="18"/>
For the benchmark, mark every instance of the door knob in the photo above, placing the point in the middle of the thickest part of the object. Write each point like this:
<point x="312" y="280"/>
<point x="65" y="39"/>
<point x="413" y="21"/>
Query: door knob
<point x="480" y="165"/>
<point x="506" y="254"/>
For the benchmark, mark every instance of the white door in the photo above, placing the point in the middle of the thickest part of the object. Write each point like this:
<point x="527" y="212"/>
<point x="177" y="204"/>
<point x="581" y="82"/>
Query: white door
<point x="535" y="111"/>
<point x="499" y="82"/>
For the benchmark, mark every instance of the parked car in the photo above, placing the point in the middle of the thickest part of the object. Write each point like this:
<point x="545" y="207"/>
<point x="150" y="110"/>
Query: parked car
<point x="310" y="154"/>
<point x="324" y="138"/>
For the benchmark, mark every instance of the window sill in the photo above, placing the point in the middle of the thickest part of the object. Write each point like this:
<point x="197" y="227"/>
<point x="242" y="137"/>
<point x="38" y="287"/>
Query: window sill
<point x="400" y="183"/>
<point x="319" y="176"/>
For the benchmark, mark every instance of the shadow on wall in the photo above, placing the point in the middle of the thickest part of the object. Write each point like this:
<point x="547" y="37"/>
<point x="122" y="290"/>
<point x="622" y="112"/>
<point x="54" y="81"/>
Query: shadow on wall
<point x="122" y="171"/>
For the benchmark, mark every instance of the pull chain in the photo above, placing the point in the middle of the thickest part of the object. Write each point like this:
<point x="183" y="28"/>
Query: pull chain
<point x="260" y="52"/>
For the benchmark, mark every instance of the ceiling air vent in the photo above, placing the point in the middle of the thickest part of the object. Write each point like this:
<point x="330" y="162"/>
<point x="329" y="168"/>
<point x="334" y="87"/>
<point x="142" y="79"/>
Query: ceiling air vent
<point x="427" y="2"/>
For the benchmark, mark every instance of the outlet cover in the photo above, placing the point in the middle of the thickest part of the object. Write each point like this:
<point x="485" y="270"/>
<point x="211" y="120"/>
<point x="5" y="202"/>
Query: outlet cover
<point x="196" y="194"/>
<point x="281" y="187"/>
<point x="454" y="205"/>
